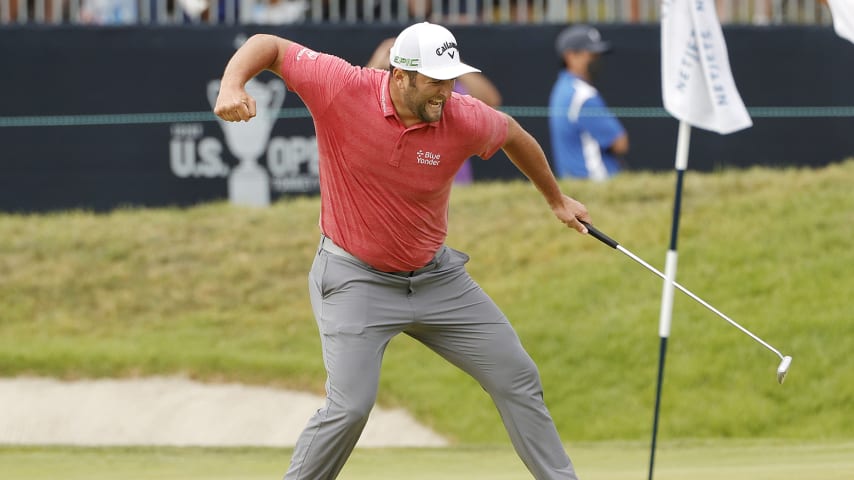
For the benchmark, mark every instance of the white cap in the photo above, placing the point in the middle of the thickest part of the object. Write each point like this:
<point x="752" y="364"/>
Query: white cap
<point x="428" y="49"/>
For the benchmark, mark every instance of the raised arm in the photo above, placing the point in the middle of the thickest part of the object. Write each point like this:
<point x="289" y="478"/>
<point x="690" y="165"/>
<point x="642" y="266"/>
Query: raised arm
<point x="259" y="53"/>
<point x="528" y="156"/>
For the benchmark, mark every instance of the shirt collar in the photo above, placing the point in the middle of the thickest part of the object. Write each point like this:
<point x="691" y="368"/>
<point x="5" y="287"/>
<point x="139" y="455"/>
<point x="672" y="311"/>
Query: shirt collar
<point x="385" y="96"/>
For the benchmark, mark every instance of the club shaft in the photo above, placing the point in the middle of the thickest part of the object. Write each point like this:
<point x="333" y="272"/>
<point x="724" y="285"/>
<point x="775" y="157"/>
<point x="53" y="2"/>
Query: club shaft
<point x="698" y="300"/>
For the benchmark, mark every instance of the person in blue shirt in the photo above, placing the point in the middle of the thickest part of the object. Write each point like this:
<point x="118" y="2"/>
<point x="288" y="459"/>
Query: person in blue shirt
<point x="587" y="140"/>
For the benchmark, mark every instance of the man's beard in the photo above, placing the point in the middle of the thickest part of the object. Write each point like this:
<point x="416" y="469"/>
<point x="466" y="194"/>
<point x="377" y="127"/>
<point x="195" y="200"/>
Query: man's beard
<point x="420" y="110"/>
<point x="425" y="116"/>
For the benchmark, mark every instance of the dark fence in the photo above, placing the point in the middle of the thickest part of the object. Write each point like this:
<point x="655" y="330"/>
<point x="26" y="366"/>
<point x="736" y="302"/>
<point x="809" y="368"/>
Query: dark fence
<point x="98" y="118"/>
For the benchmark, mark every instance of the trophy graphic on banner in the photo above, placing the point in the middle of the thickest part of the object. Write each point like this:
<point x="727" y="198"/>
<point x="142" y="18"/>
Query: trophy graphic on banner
<point x="249" y="182"/>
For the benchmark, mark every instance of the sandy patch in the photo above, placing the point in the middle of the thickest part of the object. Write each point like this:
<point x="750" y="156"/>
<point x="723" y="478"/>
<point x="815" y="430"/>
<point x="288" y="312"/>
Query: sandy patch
<point x="178" y="412"/>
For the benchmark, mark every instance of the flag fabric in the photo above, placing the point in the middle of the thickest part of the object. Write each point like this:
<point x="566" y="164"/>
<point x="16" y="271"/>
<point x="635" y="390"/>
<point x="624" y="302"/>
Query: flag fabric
<point x="696" y="80"/>
<point x="842" y="12"/>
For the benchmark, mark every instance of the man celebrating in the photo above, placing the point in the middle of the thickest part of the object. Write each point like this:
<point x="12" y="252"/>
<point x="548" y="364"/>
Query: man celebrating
<point x="390" y="143"/>
<point x="587" y="140"/>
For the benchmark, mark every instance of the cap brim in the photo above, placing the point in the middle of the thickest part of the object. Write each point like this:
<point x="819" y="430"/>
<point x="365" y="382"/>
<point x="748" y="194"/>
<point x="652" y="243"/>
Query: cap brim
<point x="447" y="73"/>
<point x="601" y="47"/>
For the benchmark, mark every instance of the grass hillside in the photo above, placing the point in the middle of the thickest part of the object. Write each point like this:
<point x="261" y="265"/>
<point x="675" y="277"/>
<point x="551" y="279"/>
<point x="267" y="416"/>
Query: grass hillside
<point x="218" y="293"/>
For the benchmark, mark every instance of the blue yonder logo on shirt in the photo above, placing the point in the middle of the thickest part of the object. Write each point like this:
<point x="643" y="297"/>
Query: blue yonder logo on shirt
<point x="428" y="158"/>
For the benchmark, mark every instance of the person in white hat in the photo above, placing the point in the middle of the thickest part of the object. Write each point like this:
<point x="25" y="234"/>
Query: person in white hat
<point x="475" y="84"/>
<point x="389" y="145"/>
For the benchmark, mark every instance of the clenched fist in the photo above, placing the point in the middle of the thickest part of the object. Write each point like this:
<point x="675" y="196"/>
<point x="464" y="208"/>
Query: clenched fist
<point x="234" y="105"/>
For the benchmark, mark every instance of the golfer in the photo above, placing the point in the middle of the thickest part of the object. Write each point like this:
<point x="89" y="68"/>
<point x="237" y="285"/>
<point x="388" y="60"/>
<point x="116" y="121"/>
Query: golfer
<point x="390" y="143"/>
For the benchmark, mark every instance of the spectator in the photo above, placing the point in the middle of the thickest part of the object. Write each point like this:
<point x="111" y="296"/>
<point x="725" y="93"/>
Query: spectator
<point x="109" y="12"/>
<point x="461" y="12"/>
<point x="277" y="12"/>
<point x="475" y="84"/>
<point x="587" y="139"/>
<point x="358" y="10"/>
<point x="51" y="11"/>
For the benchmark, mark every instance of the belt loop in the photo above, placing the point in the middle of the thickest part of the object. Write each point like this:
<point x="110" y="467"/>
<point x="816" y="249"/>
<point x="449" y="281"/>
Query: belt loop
<point x="330" y="246"/>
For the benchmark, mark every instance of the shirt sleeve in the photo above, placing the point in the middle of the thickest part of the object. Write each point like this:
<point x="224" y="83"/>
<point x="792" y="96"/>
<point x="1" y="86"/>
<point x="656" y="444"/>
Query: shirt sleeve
<point x="596" y="119"/>
<point x="316" y="77"/>
<point x="487" y="125"/>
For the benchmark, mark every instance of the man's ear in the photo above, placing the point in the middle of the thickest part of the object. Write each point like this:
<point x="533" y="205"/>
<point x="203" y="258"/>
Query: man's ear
<point x="398" y="77"/>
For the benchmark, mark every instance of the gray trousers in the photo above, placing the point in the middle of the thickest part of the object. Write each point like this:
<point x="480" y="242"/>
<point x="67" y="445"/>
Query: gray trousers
<point x="359" y="310"/>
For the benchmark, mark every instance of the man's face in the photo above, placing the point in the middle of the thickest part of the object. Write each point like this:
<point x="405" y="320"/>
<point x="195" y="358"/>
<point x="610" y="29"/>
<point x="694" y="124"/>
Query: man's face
<point x="425" y="97"/>
<point x="583" y="63"/>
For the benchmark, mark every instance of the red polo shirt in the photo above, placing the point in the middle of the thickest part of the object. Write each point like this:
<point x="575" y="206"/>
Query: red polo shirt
<point x="385" y="188"/>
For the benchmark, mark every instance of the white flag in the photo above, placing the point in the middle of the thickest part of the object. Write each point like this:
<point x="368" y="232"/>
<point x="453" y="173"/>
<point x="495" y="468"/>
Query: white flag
<point x="696" y="81"/>
<point x="842" y="12"/>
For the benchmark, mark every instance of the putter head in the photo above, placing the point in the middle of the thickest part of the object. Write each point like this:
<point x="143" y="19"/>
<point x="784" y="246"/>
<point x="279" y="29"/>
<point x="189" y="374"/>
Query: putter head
<point x="783" y="369"/>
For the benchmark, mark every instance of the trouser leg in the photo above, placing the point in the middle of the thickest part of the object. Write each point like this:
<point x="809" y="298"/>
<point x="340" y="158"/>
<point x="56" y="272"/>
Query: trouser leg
<point x="463" y="325"/>
<point x="492" y="355"/>
<point x="353" y="338"/>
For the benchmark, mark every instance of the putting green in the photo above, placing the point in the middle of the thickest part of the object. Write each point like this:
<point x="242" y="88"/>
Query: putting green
<point x="724" y="459"/>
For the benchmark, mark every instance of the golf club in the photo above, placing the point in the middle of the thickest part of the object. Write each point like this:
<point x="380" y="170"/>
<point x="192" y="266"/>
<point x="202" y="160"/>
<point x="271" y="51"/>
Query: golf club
<point x="785" y="361"/>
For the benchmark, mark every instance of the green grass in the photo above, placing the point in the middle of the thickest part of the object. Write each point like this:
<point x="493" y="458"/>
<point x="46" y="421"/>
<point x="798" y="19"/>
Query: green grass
<point x="218" y="293"/>
<point x="731" y="460"/>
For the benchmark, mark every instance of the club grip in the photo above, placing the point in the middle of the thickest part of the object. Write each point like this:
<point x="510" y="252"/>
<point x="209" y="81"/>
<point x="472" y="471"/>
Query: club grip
<point x="598" y="235"/>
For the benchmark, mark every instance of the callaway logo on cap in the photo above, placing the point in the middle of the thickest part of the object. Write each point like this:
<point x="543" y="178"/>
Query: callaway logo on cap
<point x="430" y="50"/>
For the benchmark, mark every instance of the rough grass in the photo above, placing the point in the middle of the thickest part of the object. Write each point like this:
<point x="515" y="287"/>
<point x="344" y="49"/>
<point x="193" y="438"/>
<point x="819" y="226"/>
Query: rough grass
<point x="217" y="292"/>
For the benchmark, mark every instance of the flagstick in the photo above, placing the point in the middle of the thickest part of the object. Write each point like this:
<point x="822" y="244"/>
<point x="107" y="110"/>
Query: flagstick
<point x="682" y="144"/>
